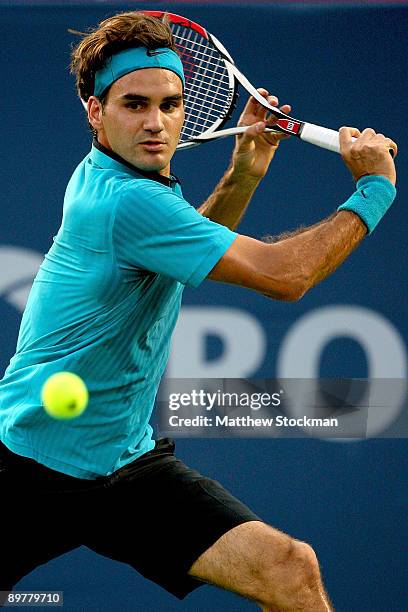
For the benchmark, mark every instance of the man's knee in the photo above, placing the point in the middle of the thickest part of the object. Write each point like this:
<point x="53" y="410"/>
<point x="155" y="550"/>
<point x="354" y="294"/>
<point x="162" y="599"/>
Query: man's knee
<point x="304" y="563"/>
<point x="288" y="580"/>
<point x="263" y="564"/>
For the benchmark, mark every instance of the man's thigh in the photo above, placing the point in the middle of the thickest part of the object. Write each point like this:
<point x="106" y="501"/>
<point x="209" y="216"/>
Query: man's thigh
<point x="162" y="520"/>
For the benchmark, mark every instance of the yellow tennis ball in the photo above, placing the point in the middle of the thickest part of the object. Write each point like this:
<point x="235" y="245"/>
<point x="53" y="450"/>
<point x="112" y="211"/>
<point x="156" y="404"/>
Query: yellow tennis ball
<point x="64" y="395"/>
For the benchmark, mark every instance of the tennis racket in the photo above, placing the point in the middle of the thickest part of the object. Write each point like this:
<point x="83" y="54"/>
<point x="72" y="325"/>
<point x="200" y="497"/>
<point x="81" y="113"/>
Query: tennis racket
<point x="211" y="90"/>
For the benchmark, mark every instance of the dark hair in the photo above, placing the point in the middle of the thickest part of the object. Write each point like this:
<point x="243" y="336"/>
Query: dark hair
<point x="119" y="32"/>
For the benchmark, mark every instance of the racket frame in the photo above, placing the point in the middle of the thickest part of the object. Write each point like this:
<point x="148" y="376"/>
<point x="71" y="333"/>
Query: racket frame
<point x="286" y="124"/>
<point x="314" y="134"/>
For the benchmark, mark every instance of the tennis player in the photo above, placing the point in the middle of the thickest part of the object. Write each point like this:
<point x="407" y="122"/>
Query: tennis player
<point x="104" y="305"/>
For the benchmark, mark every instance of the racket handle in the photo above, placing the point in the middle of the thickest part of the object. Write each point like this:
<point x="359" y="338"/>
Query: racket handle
<point x="321" y="137"/>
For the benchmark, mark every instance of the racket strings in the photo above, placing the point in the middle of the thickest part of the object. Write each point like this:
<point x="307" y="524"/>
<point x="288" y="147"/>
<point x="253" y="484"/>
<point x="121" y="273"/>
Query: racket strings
<point x="208" y="91"/>
<point x="199" y="83"/>
<point x="180" y="42"/>
<point x="207" y="80"/>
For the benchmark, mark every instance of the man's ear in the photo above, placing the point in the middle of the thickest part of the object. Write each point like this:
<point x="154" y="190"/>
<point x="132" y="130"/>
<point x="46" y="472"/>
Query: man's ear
<point x="95" y="111"/>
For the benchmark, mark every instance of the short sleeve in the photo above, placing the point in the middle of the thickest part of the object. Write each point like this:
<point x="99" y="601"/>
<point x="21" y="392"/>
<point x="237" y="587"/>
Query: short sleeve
<point x="158" y="230"/>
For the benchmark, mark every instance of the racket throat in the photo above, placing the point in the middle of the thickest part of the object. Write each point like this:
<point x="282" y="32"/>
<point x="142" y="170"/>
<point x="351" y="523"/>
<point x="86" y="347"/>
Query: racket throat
<point x="289" y="126"/>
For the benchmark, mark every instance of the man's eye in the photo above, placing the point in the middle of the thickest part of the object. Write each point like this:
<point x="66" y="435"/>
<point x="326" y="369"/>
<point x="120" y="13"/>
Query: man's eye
<point x="134" y="105"/>
<point x="169" y="105"/>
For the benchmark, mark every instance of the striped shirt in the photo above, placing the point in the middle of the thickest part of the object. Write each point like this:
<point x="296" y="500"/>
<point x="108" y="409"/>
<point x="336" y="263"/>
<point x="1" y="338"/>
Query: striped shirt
<point x="104" y="305"/>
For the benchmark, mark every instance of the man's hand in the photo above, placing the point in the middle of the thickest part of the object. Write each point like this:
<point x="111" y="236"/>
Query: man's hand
<point x="252" y="155"/>
<point x="368" y="154"/>
<point x="254" y="150"/>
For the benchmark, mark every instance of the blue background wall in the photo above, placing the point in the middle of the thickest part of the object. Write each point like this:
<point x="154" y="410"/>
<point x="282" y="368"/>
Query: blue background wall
<point x="336" y="66"/>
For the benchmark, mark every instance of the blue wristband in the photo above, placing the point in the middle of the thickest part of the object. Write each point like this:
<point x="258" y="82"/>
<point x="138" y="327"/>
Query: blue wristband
<point x="370" y="202"/>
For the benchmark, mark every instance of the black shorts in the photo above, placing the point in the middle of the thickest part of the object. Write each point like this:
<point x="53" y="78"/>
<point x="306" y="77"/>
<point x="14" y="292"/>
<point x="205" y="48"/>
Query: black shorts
<point x="155" y="514"/>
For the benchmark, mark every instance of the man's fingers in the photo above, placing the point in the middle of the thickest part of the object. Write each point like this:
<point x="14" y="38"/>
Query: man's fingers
<point x="264" y="92"/>
<point x="368" y="134"/>
<point x="346" y="135"/>
<point x="253" y="131"/>
<point x="286" y="108"/>
<point x="368" y="137"/>
<point x="260" y="110"/>
<point x="273" y="100"/>
<point x="272" y="119"/>
<point x="349" y="132"/>
<point x="254" y="110"/>
<point x="392" y="146"/>
<point x="258" y="129"/>
<point x="253" y="103"/>
<point x="256" y="107"/>
<point x="368" y="153"/>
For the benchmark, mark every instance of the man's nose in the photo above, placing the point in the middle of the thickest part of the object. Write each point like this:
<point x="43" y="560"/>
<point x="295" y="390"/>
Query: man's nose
<point x="153" y="120"/>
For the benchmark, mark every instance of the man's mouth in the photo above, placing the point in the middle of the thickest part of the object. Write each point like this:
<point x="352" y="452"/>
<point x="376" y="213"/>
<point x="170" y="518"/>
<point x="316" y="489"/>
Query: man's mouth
<point x="152" y="145"/>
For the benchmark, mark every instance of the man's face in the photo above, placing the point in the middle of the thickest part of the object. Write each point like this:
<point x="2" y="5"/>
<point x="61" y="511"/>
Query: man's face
<point x="142" y="118"/>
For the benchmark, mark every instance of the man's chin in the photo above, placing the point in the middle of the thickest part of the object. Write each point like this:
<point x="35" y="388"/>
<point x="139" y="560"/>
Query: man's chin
<point x="152" y="165"/>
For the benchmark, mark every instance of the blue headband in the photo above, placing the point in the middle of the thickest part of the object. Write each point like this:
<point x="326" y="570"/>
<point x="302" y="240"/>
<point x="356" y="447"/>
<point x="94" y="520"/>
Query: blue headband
<point x="133" y="59"/>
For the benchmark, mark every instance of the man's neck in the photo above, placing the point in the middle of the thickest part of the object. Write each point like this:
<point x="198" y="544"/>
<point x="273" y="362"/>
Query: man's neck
<point x="168" y="180"/>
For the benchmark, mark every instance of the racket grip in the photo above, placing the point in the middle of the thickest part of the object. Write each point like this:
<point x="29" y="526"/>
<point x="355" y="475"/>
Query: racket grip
<point x="321" y="137"/>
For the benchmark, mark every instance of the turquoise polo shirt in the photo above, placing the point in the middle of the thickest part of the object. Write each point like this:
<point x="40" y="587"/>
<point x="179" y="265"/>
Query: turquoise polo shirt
<point x="104" y="305"/>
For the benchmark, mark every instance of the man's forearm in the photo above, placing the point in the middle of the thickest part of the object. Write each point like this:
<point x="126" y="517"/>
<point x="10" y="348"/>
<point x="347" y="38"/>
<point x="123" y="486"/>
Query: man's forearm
<point x="229" y="200"/>
<point x="285" y="270"/>
<point x="316" y="252"/>
<point x="323" y="247"/>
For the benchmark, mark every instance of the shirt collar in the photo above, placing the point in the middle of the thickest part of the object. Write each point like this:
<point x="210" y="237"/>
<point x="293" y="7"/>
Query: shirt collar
<point x="109" y="159"/>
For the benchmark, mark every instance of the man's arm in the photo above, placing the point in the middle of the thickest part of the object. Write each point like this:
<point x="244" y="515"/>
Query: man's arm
<point x="252" y="155"/>
<point x="285" y="270"/>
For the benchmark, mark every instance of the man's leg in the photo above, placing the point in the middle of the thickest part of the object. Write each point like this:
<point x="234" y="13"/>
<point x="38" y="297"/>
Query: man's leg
<point x="38" y="519"/>
<point x="267" y="566"/>
<point x="185" y="529"/>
